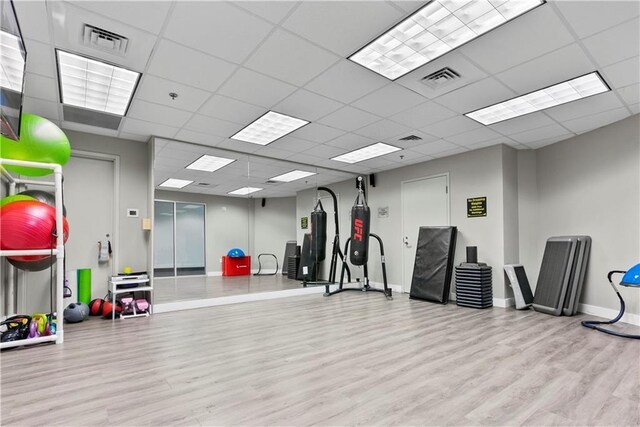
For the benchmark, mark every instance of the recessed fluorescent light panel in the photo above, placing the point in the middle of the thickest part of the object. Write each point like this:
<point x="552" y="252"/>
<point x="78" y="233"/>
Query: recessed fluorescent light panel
<point x="268" y="128"/>
<point x="578" y="88"/>
<point x="292" y="176"/>
<point x="210" y="163"/>
<point x="244" y="191"/>
<point x="175" y="183"/>
<point x="366" y="153"/>
<point x="435" y="29"/>
<point x="95" y="85"/>
<point x="11" y="62"/>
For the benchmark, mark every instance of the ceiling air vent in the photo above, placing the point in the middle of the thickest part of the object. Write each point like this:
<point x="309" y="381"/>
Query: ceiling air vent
<point x="98" y="38"/>
<point x="202" y="184"/>
<point x="440" y="78"/>
<point x="410" y="138"/>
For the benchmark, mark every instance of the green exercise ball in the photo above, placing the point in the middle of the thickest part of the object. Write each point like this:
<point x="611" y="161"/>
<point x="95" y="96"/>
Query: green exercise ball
<point x="40" y="141"/>
<point x="15" y="198"/>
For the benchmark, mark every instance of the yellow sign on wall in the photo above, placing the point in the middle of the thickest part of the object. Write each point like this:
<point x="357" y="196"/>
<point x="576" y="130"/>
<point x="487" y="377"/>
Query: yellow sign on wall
<point x="476" y="207"/>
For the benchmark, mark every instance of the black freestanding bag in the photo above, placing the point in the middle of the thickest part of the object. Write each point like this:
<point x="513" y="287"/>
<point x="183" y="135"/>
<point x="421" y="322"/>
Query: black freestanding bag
<point x="433" y="267"/>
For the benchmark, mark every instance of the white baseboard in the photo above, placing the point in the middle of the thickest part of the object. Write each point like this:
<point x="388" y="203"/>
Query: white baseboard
<point x="211" y="302"/>
<point x="396" y="289"/>
<point x="214" y="273"/>
<point x="607" y="313"/>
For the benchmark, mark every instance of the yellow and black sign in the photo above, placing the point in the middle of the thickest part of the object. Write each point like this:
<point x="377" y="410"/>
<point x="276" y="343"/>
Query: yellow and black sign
<point x="304" y="222"/>
<point x="476" y="207"/>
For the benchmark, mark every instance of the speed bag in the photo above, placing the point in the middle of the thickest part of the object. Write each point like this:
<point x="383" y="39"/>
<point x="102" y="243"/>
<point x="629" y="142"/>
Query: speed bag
<point x="360" y="225"/>
<point x="318" y="234"/>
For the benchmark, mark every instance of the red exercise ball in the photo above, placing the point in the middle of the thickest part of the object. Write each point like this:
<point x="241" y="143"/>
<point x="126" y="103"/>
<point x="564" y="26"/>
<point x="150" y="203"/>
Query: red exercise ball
<point x="29" y="224"/>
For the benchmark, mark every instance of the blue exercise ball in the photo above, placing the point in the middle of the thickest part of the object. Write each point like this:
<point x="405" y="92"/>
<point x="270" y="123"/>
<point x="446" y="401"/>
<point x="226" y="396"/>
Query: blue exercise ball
<point x="235" y="253"/>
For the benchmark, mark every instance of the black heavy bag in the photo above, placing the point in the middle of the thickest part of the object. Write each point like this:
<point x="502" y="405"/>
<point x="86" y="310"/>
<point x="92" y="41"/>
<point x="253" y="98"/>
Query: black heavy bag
<point x="360" y="225"/>
<point x="318" y="233"/>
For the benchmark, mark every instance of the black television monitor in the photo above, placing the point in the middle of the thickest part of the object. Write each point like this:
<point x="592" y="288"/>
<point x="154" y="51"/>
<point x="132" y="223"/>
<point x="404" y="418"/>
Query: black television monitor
<point x="13" y="58"/>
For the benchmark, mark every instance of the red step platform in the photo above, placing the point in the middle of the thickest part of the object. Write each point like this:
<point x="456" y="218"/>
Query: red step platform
<point x="236" y="266"/>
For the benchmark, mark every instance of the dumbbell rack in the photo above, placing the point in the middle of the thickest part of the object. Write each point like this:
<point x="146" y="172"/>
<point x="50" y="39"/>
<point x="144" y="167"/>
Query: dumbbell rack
<point x="10" y="295"/>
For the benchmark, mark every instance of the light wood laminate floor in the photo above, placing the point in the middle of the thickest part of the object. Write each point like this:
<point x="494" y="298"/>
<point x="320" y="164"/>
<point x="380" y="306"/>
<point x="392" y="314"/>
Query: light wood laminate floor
<point x="351" y="359"/>
<point x="202" y="287"/>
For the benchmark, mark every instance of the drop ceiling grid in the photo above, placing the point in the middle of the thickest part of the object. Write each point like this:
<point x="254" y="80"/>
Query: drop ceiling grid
<point x="150" y="126"/>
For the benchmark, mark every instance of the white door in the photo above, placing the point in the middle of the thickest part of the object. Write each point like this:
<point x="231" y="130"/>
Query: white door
<point x="88" y="196"/>
<point x="425" y="202"/>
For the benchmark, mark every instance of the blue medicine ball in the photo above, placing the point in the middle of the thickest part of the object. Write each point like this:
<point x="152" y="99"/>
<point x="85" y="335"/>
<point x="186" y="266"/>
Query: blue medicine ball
<point x="235" y="253"/>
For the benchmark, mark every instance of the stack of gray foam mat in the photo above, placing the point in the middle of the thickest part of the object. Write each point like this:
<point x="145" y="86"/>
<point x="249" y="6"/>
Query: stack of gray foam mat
<point x="562" y="273"/>
<point x="473" y="285"/>
<point x="433" y="266"/>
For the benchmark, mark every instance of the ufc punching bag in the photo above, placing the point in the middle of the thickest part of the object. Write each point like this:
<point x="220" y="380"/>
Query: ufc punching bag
<point x="360" y="225"/>
<point x="318" y="233"/>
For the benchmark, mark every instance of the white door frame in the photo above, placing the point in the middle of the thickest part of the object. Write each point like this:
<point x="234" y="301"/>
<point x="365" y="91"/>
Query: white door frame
<point x="402" y="196"/>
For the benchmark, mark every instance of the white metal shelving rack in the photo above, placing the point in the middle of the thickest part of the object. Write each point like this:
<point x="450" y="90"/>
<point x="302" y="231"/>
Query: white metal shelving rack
<point x="58" y="251"/>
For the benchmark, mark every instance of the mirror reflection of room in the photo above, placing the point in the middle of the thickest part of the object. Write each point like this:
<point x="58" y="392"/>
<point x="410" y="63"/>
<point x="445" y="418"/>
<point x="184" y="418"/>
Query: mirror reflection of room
<point x="227" y="223"/>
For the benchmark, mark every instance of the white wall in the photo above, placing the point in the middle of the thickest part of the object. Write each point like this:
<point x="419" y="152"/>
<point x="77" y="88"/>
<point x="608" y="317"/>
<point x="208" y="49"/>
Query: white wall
<point x="590" y="184"/>
<point x="134" y="192"/>
<point x="241" y="222"/>
<point x="472" y="174"/>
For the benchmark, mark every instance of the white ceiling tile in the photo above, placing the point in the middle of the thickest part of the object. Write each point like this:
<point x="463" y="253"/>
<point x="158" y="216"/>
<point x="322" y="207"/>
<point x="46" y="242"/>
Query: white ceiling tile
<point x="476" y="95"/>
<point x="549" y="141"/>
<point x="595" y="121"/>
<point x="233" y="144"/>
<point x="307" y="105"/>
<point x="353" y="23"/>
<point x="231" y="110"/>
<point x="350" y="141"/>
<point x="156" y="89"/>
<point x="174" y="152"/>
<point x="527" y="77"/>
<point x="432" y="148"/>
<point x="380" y="163"/>
<point x="615" y="44"/>
<point x="406" y="157"/>
<point x="474" y="136"/>
<point x="147" y="15"/>
<point x="451" y="152"/>
<point x="290" y="58"/>
<point x="630" y="94"/>
<point x="217" y="28"/>
<point x="40" y="107"/>
<point x="274" y="11"/>
<point x="213" y="126"/>
<point x="158" y="113"/>
<point x="325" y="151"/>
<point x="584" y="107"/>
<point x="255" y="88"/>
<point x="33" y="19"/>
<point x="316" y="132"/>
<point x="349" y="119"/>
<point x="635" y="108"/>
<point x="69" y="20"/>
<point x="40" y="58"/>
<point x="423" y="115"/>
<point x="88" y="129"/>
<point x="295" y="145"/>
<point x="40" y="87"/>
<point x="453" y="126"/>
<point x="522" y="123"/>
<point x="346" y="82"/>
<point x="489" y="143"/>
<point x="389" y="100"/>
<point x="139" y="127"/>
<point x="384" y="129"/>
<point x="276" y="153"/>
<point x="132" y="137"/>
<point x="188" y="66"/>
<point x="590" y="17"/>
<point x="623" y="73"/>
<point x="532" y="34"/>
<point x="539" y="134"/>
<point x="304" y="158"/>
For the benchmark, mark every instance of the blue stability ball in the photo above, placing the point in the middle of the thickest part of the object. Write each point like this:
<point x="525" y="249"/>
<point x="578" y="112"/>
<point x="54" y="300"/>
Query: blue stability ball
<point x="632" y="277"/>
<point x="235" y="253"/>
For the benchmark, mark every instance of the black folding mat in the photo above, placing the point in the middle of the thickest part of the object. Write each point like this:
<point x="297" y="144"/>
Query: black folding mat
<point x="433" y="266"/>
<point x="555" y="275"/>
<point x="307" y="266"/>
<point x="291" y="249"/>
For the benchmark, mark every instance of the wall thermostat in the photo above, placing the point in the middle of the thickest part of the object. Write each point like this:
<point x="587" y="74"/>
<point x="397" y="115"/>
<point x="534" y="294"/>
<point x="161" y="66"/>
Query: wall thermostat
<point x="133" y="213"/>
